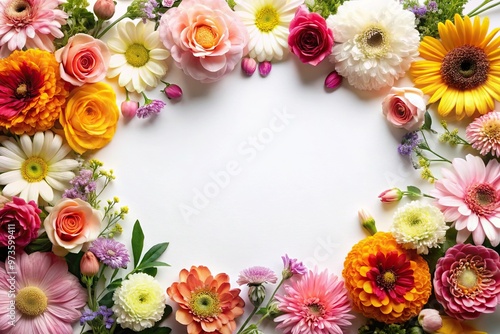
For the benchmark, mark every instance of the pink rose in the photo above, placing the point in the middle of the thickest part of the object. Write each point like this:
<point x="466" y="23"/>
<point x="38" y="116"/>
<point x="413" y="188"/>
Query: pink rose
<point x="310" y="38"/>
<point x="83" y="60"/>
<point x="405" y="108"/>
<point x="205" y="37"/>
<point x="19" y="222"/>
<point x="72" y="225"/>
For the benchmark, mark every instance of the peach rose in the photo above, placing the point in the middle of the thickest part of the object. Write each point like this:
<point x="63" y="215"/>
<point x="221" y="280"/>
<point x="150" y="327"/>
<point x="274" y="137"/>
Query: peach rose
<point x="90" y="118"/>
<point x="205" y="37"/>
<point x="72" y="225"/>
<point x="83" y="60"/>
<point x="405" y="107"/>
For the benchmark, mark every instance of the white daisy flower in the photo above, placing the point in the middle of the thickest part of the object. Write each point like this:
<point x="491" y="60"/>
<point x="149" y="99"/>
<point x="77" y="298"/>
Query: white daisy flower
<point x="267" y="22"/>
<point x="138" y="57"/>
<point x="375" y="42"/>
<point x="35" y="167"/>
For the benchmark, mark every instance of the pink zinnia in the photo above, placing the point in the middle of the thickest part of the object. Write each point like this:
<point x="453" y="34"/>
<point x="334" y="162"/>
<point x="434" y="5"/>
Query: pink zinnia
<point x="314" y="304"/>
<point x="31" y="24"/>
<point x="469" y="195"/>
<point x="467" y="281"/>
<point x="484" y="133"/>
<point x="48" y="299"/>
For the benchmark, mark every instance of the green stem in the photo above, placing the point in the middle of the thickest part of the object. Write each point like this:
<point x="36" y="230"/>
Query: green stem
<point x="112" y="25"/>
<point x="479" y="9"/>
<point x="248" y="319"/>
<point x="274" y="292"/>
<point x="430" y="150"/>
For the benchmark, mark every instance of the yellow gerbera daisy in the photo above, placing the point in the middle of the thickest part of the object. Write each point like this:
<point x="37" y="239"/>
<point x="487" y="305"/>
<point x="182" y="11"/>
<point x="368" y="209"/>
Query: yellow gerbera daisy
<point x="462" y="69"/>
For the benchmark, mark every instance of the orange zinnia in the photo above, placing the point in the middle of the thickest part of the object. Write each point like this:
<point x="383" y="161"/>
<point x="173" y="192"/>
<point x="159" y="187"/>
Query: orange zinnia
<point x="206" y="303"/>
<point x="385" y="281"/>
<point x="32" y="93"/>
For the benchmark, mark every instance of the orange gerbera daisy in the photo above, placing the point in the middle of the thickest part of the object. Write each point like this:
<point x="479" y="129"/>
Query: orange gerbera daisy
<point x="207" y="305"/>
<point x="462" y="69"/>
<point x="385" y="281"/>
<point x="32" y="93"/>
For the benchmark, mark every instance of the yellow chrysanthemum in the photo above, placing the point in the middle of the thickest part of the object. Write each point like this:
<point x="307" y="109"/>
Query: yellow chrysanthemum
<point x="32" y="93"/>
<point x="385" y="281"/>
<point x="462" y="69"/>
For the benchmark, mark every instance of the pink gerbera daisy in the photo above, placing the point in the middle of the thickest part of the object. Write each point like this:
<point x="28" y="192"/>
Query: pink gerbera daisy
<point x="317" y="303"/>
<point x="48" y="299"/>
<point x="484" y="133"/>
<point x="30" y="24"/>
<point x="469" y="195"/>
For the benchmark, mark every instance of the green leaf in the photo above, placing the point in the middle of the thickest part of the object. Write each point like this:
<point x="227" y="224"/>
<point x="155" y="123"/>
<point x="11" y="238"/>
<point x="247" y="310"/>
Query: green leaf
<point x="152" y="265"/>
<point x="151" y="271"/>
<point x="40" y="244"/>
<point x="107" y="299"/>
<point x="414" y="192"/>
<point x="115" y="284"/>
<point x="73" y="261"/>
<point x="137" y="242"/>
<point x="154" y="252"/>
<point x="428" y="121"/>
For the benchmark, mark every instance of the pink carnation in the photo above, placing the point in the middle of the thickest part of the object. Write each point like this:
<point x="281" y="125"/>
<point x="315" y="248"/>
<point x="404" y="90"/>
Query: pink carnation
<point x="19" y="222"/>
<point x="310" y="38"/>
<point x="205" y="37"/>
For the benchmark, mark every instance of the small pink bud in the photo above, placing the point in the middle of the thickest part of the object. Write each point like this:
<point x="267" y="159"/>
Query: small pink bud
<point x="391" y="195"/>
<point x="89" y="265"/>
<point x="333" y="80"/>
<point x="173" y="91"/>
<point x="104" y="9"/>
<point x="248" y="65"/>
<point x="129" y="108"/>
<point x="265" y="68"/>
<point x="430" y="320"/>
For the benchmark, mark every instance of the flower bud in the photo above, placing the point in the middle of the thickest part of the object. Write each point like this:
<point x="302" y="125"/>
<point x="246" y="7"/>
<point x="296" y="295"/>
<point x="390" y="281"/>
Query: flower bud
<point x="415" y="330"/>
<point x="256" y="294"/>
<point x="172" y="91"/>
<point x="104" y="9"/>
<point x="391" y="195"/>
<point x="129" y="108"/>
<point x="89" y="265"/>
<point x="248" y="65"/>
<point x="265" y="68"/>
<point x="367" y="221"/>
<point x="430" y="320"/>
<point x="333" y="80"/>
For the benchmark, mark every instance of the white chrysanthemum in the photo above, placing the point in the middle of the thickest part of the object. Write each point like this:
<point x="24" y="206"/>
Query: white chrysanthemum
<point x="375" y="42"/>
<point x="138" y="57"/>
<point x="267" y="22"/>
<point x="35" y="167"/>
<point x="139" y="302"/>
<point x="419" y="226"/>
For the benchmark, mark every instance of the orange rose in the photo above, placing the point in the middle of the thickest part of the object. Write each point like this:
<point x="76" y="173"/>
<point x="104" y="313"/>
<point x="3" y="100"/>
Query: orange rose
<point x="90" y="118"/>
<point x="72" y="225"/>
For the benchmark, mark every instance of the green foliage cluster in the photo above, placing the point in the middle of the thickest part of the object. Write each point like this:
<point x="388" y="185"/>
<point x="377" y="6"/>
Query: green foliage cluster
<point x="80" y="20"/>
<point x="324" y="7"/>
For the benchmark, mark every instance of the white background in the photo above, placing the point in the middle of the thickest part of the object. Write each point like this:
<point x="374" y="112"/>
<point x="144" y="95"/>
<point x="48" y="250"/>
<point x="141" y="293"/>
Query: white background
<point x="297" y="191"/>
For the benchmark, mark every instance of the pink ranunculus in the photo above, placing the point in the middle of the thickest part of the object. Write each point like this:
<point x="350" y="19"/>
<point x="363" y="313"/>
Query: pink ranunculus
<point x="83" y="60"/>
<point x="310" y="38"/>
<point x="205" y="37"/>
<point x="72" y="225"/>
<point x="405" y="107"/>
<point x="19" y="222"/>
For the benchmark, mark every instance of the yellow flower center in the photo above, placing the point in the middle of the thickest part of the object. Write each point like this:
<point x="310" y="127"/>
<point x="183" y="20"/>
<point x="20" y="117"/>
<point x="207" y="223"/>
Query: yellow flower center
<point x="491" y="129"/>
<point x="137" y="55"/>
<point x="21" y="90"/>
<point x="205" y="36"/>
<point x="267" y="18"/>
<point x="467" y="279"/>
<point x="205" y="304"/>
<point x="34" y="169"/>
<point x="31" y="301"/>
<point x="373" y="42"/>
<point x="389" y="278"/>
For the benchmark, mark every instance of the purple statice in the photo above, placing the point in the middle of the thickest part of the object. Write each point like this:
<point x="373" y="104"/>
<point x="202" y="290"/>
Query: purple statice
<point x="151" y="107"/>
<point x="149" y="7"/>
<point x="419" y="11"/>
<point x="103" y="311"/>
<point x="432" y="6"/>
<point x="256" y="276"/>
<point x="87" y="315"/>
<point x="292" y="267"/>
<point x="408" y="144"/>
<point x="110" y="252"/>
<point x="83" y="185"/>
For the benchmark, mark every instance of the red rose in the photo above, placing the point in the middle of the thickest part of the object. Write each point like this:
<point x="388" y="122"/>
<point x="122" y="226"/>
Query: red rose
<point x="310" y="38"/>
<point x="19" y="222"/>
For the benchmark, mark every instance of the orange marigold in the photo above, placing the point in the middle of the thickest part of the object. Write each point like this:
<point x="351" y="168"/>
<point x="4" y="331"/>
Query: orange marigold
<point x="207" y="305"/>
<point x="32" y="94"/>
<point x="385" y="281"/>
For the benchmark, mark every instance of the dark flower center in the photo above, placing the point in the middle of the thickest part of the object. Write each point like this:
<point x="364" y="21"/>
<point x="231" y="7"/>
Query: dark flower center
<point x="482" y="199"/>
<point x="465" y="67"/>
<point x="18" y="10"/>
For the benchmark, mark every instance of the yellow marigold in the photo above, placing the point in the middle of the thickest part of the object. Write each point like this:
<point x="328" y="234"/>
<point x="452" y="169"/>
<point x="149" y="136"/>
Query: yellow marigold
<point x="385" y="281"/>
<point x="32" y="92"/>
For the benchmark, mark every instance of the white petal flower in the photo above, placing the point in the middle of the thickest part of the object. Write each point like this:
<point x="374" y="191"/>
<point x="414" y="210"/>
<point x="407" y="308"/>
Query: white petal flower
<point x="138" y="57"/>
<point x="267" y="22"/>
<point x="375" y="42"/>
<point x="34" y="167"/>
